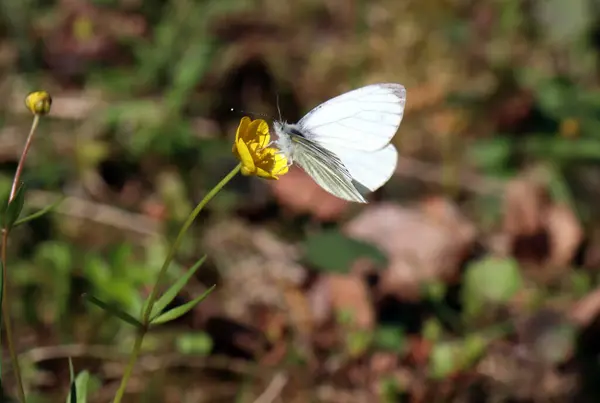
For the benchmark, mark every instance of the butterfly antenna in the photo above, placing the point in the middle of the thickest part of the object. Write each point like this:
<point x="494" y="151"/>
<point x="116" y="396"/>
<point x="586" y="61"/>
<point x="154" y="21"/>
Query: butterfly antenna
<point x="277" y="103"/>
<point x="264" y="115"/>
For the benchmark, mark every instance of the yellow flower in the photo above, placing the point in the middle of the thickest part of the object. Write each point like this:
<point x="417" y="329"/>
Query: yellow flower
<point x="39" y="102"/>
<point x="251" y="148"/>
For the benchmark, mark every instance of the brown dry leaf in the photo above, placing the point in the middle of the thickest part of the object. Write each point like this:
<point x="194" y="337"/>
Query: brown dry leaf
<point x="524" y="202"/>
<point x="446" y="121"/>
<point x="254" y="265"/>
<point x="422" y="246"/>
<point x="335" y="293"/>
<point x="586" y="309"/>
<point x="541" y="233"/>
<point x="425" y="96"/>
<point x="298" y="192"/>
<point x="565" y="232"/>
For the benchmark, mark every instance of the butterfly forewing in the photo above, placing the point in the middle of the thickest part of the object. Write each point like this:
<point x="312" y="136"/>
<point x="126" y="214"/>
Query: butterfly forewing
<point x="363" y="119"/>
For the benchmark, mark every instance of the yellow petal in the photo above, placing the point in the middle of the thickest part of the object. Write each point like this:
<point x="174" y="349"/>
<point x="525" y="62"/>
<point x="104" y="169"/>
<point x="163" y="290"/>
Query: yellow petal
<point x="242" y="129"/>
<point x="245" y="158"/>
<point x="259" y="132"/>
<point x="264" y="174"/>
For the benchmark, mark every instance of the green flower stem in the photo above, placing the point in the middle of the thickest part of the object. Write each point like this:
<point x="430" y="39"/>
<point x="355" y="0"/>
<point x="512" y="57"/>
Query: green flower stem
<point x="154" y="293"/>
<point x="5" y="297"/>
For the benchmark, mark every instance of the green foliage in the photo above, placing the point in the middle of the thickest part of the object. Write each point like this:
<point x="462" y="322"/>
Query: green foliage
<point x="113" y="310"/>
<point x="78" y="392"/>
<point x="490" y="281"/>
<point x="10" y="211"/>
<point x="432" y="330"/>
<point x="331" y="251"/>
<point x="581" y="283"/>
<point x="448" y="357"/>
<point x="172" y="292"/>
<point x="194" y="343"/>
<point x="390" y="338"/>
<point x="38" y="213"/>
<point x="181" y="310"/>
<point x="443" y="359"/>
<point x="358" y="342"/>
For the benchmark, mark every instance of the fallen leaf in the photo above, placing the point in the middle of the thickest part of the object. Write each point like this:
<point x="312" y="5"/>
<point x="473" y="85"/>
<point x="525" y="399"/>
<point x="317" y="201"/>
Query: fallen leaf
<point x="256" y="266"/>
<point x="422" y="246"/>
<point x="565" y="232"/>
<point x="524" y="202"/>
<point x="586" y="309"/>
<point x="542" y="234"/>
<point x="341" y="294"/>
<point x="300" y="194"/>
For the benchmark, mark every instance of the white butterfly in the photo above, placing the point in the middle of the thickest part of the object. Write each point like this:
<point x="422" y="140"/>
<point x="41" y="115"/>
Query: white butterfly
<point x="344" y="143"/>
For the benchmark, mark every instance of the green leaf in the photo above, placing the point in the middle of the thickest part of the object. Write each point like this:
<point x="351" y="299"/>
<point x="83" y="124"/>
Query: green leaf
<point x="195" y="343"/>
<point x="491" y="155"/>
<point x="432" y="330"/>
<point x="443" y="360"/>
<point x="172" y="292"/>
<point x="331" y="251"/>
<point x="113" y="310"/>
<point x="72" y="397"/>
<point x="473" y="347"/>
<point x="181" y="310"/>
<point x="490" y="280"/>
<point x="358" y="341"/>
<point x="14" y="208"/>
<point x="390" y="338"/>
<point x="79" y="388"/>
<point x="38" y="213"/>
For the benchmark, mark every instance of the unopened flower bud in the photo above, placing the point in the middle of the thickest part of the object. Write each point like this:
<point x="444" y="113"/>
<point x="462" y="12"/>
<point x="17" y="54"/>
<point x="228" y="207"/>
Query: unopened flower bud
<point x="39" y="102"/>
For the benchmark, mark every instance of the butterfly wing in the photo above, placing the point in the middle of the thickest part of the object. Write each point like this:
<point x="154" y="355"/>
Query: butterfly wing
<point x="363" y="119"/>
<point x="326" y="169"/>
<point x="371" y="169"/>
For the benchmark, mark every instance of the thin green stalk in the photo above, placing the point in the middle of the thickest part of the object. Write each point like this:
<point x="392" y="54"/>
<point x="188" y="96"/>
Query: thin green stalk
<point x="137" y="346"/>
<point x="5" y="297"/>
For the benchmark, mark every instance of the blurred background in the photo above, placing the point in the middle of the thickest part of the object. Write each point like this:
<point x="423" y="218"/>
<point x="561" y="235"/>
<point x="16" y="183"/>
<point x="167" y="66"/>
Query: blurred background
<point x="472" y="276"/>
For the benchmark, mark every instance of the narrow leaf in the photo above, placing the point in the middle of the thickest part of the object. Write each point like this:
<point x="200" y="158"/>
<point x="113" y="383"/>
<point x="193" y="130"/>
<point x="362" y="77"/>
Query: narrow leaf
<point x="113" y="310"/>
<point x="181" y="310"/>
<point x="71" y="370"/>
<point x="172" y="292"/>
<point x="79" y="388"/>
<point x="14" y="208"/>
<point x="72" y="398"/>
<point x="38" y="213"/>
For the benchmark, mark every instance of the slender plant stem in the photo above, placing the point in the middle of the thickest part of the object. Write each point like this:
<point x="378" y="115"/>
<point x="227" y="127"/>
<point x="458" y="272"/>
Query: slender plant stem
<point x="137" y="346"/>
<point x="5" y="297"/>
<point x="135" y="353"/>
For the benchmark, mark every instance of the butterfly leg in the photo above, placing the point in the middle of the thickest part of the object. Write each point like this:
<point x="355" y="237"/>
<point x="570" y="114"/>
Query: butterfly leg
<point x="261" y="149"/>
